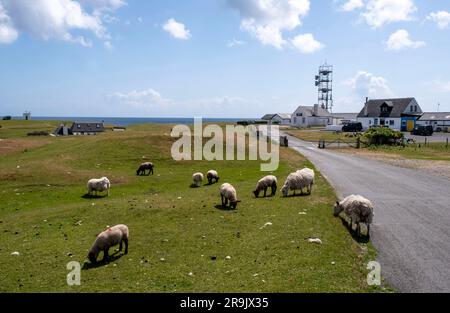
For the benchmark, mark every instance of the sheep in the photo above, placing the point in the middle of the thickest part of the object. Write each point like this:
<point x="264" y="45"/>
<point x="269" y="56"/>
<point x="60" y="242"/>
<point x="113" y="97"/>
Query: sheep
<point x="212" y="175"/>
<point x="145" y="166"/>
<point x="358" y="209"/>
<point x="299" y="180"/>
<point x="98" y="185"/>
<point x="110" y="237"/>
<point x="264" y="183"/>
<point x="228" y="193"/>
<point x="308" y="175"/>
<point x="197" y="179"/>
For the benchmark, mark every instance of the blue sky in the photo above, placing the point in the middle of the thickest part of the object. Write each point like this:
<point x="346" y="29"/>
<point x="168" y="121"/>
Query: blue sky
<point x="223" y="58"/>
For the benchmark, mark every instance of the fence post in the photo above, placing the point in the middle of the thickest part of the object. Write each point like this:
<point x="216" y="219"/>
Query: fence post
<point x="425" y="141"/>
<point x="446" y="144"/>
<point x="358" y="143"/>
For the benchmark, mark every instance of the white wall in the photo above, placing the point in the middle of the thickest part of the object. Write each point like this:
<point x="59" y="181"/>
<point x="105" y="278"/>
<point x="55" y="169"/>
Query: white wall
<point x="370" y="121"/>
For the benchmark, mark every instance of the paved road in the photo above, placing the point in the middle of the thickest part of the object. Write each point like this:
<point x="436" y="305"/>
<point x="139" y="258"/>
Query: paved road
<point x="411" y="228"/>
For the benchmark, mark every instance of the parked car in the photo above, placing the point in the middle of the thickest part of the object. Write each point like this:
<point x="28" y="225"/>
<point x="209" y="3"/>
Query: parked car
<point x="352" y="127"/>
<point x="423" y="130"/>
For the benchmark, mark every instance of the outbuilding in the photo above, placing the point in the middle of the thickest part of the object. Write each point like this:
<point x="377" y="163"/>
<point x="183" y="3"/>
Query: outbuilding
<point x="439" y="120"/>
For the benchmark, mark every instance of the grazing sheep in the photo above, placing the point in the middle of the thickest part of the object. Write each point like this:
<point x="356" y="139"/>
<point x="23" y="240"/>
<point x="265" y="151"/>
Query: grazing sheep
<point x="308" y="175"/>
<point x="298" y="180"/>
<point x="264" y="183"/>
<point x="115" y="235"/>
<point x="144" y="167"/>
<point x="212" y="175"/>
<point x="228" y="193"/>
<point x="358" y="209"/>
<point x="197" y="179"/>
<point x="98" y="185"/>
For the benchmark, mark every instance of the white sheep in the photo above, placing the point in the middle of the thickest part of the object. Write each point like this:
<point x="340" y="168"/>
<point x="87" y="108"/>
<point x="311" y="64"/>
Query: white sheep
<point x="264" y="183"/>
<point x="110" y="237"/>
<point x="212" y="175"/>
<point x="197" y="179"/>
<point x="298" y="180"/>
<point x="98" y="185"/>
<point x="358" y="209"/>
<point x="228" y="193"/>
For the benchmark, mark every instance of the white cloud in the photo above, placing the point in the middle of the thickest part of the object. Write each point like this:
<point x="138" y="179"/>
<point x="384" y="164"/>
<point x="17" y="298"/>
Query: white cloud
<point x="147" y="98"/>
<point x="177" y="30"/>
<point x="267" y="19"/>
<point x="365" y="84"/>
<point x="380" y="12"/>
<point x="441" y="18"/>
<point x="306" y="44"/>
<point x="401" y="40"/>
<point x="351" y="5"/>
<point x="235" y="42"/>
<point x="64" y="20"/>
<point x="8" y="33"/>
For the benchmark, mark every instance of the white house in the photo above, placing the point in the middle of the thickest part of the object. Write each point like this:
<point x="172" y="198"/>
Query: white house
<point x="399" y="114"/>
<point x="278" y="118"/>
<point x="439" y="120"/>
<point x="342" y="118"/>
<point x="307" y="116"/>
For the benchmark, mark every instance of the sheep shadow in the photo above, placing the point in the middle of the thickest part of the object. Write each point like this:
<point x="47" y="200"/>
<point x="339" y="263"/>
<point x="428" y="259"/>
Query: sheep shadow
<point x="223" y="207"/>
<point x="301" y="195"/>
<point x="194" y="186"/>
<point x="88" y="196"/>
<point x="113" y="257"/>
<point x="355" y="237"/>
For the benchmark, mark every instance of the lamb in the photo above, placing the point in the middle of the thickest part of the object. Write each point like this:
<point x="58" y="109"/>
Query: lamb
<point x="109" y="238"/>
<point x="299" y="180"/>
<point x="144" y="167"/>
<point x="264" y="183"/>
<point x="228" y="193"/>
<point x="212" y="175"/>
<point x="358" y="209"/>
<point x="197" y="179"/>
<point x="98" y="185"/>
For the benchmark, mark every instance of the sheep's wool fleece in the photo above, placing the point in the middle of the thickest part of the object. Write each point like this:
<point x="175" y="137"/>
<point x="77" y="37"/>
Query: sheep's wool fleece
<point x="111" y="236"/>
<point x="228" y="191"/>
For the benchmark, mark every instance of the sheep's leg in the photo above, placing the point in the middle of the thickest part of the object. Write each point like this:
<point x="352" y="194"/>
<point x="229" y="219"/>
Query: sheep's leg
<point x="221" y="197"/>
<point x="120" y="245"/>
<point x="265" y="191"/>
<point x="125" y="240"/>
<point x="105" y="255"/>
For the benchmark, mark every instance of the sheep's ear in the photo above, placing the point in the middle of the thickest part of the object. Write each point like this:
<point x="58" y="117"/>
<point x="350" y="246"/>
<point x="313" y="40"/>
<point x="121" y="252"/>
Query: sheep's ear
<point x="337" y="202"/>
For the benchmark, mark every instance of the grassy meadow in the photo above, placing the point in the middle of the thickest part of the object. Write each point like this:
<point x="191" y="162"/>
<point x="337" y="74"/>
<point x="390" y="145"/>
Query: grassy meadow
<point x="179" y="236"/>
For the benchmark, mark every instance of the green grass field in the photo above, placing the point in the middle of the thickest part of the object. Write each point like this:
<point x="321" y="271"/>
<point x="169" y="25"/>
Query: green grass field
<point x="174" y="229"/>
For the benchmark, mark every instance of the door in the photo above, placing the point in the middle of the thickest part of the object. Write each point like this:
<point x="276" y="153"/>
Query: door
<point x="409" y="125"/>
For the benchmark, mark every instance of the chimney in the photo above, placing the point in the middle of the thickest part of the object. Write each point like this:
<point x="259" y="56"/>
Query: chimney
<point x="316" y="110"/>
<point x="365" y="107"/>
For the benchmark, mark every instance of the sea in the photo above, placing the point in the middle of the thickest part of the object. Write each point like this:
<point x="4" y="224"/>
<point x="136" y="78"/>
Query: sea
<point x="126" y="121"/>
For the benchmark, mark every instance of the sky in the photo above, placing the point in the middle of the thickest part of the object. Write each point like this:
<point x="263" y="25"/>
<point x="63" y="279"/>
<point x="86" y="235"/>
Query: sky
<point x="218" y="58"/>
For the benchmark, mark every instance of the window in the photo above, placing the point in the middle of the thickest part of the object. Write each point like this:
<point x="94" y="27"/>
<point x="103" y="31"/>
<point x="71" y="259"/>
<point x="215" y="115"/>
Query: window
<point x="384" y="109"/>
<point x="415" y="108"/>
<point x="78" y="125"/>
<point x="299" y="114"/>
<point x="303" y="120"/>
<point x="391" y="122"/>
<point x="370" y="122"/>
<point x="98" y="125"/>
<point x="375" y="121"/>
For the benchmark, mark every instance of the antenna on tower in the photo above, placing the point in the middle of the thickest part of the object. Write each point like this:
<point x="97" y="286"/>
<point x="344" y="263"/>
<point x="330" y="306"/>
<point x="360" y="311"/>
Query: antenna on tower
<point x="324" y="84"/>
<point x="438" y="106"/>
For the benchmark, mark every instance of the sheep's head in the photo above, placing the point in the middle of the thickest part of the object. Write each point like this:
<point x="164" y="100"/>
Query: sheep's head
<point x="256" y="193"/>
<point x="233" y="204"/>
<point x="92" y="256"/>
<point x="337" y="209"/>
<point x="285" y="190"/>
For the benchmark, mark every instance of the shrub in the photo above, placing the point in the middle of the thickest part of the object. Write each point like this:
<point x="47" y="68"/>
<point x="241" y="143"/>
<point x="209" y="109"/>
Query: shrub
<point x="38" y="133"/>
<point x="383" y="136"/>
<point x="7" y="118"/>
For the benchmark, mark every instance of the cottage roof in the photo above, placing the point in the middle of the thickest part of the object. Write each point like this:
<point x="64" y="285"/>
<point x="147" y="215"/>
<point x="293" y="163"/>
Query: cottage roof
<point x="309" y="111"/>
<point x="435" y="116"/>
<point x="268" y="117"/>
<point x="395" y="107"/>
<point x="87" y="127"/>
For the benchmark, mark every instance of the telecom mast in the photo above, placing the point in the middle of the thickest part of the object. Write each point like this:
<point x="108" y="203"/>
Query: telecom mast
<point x="324" y="82"/>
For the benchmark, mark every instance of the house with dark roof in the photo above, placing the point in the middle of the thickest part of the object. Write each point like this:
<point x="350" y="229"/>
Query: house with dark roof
<point x="278" y="118"/>
<point x="439" y="120"/>
<point x="399" y="114"/>
<point x="307" y="116"/>
<point x="87" y="128"/>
